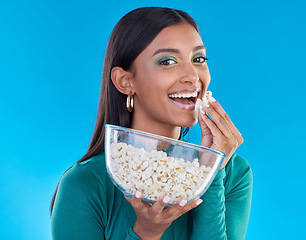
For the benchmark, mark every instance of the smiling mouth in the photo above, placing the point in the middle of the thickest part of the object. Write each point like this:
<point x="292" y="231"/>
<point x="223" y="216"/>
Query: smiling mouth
<point x="186" y="100"/>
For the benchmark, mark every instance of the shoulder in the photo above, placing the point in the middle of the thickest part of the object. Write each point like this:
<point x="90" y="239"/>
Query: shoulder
<point x="81" y="201"/>
<point x="237" y="163"/>
<point x="85" y="175"/>
<point x="238" y="172"/>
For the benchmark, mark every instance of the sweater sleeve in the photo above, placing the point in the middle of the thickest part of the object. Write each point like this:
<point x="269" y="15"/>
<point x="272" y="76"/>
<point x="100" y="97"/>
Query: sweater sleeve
<point x="131" y="235"/>
<point x="238" y="185"/>
<point x="209" y="217"/>
<point x="80" y="207"/>
<point x="225" y="211"/>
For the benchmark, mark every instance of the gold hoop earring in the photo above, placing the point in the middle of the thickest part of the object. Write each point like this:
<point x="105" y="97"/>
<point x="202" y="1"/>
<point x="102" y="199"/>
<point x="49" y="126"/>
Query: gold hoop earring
<point x="130" y="103"/>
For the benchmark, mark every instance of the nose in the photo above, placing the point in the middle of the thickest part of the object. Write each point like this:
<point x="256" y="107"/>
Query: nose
<point x="189" y="74"/>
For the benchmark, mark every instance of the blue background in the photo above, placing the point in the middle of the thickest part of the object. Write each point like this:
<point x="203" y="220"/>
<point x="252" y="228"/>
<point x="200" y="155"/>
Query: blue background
<point x="51" y="58"/>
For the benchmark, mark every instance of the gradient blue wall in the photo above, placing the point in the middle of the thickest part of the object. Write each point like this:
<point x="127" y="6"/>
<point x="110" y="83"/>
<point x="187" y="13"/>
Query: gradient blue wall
<point x="51" y="56"/>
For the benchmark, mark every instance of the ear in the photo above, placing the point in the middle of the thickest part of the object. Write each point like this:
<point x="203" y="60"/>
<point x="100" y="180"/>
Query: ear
<point x="122" y="80"/>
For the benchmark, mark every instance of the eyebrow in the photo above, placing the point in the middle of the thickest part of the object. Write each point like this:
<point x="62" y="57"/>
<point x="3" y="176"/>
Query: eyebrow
<point x="199" y="48"/>
<point x="177" y="51"/>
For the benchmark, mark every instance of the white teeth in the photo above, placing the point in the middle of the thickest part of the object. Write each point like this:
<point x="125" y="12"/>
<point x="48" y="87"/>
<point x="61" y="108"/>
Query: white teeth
<point x="185" y="95"/>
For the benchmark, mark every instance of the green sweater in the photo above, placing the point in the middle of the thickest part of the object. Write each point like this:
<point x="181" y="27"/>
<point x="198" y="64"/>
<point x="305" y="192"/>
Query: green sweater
<point x="89" y="206"/>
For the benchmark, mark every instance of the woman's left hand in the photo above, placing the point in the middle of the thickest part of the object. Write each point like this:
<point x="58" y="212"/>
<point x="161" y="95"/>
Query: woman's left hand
<point x="219" y="134"/>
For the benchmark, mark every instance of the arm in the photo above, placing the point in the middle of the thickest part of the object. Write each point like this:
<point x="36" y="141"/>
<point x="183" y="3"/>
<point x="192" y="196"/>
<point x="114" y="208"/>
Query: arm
<point x="238" y="185"/>
<point x="225" y="211"/>
<point x="209" y="218"/>
<point x="226" y="206"/>
<point x="80" y="207"/>
<point x="76" y="212"/>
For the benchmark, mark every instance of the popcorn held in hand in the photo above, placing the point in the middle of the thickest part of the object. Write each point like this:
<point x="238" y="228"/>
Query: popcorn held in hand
<point x="203" y="101"/>
<point x="155" y="174"/>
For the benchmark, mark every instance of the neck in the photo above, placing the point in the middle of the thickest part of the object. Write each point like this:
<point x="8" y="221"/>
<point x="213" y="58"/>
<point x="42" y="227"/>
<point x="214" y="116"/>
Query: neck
<point x="161" y="129"/>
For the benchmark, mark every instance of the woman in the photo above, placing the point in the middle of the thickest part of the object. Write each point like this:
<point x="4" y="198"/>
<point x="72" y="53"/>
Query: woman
<point x="154" y="56"/>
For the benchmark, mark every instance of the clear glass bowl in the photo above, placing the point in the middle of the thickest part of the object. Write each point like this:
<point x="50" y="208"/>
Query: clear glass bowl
<point x="158" y="166"/>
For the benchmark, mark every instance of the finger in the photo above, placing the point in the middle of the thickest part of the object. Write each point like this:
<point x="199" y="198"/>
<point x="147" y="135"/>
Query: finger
<point x="207" y="137"/>
<point x="204" y="128"/>
<point x="235" y="132"/>
<point x="181" y="207"/>
<point x="172" y="211"/>
<point x="135" y="201"/>
<point x="219" y="139"/>
<point x="218" y="120"/>
<point x="159" y="205"/>
<point x="191" y="205"/>
<point x="215" y="130"/>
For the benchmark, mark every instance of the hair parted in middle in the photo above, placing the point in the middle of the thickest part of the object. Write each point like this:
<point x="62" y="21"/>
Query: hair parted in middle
<point x="130" y="36"/>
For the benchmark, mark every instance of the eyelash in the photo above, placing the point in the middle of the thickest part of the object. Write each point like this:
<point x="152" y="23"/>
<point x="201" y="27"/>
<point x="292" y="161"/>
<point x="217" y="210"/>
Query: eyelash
<point x="162" y="61"/>
<point x="203" y="61"/>
<point x="165" y="62"/>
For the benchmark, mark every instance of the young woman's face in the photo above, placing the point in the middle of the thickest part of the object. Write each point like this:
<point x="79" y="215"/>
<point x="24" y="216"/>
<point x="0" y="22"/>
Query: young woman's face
<point x="170" y="74"/>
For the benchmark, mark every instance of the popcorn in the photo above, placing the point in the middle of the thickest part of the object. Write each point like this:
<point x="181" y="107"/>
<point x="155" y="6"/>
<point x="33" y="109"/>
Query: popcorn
<point x="203" y="100"/>
<point x="155" y="174"/>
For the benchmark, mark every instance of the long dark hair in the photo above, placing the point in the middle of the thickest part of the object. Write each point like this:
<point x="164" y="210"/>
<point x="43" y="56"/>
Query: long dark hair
<point x="131" y="35"/>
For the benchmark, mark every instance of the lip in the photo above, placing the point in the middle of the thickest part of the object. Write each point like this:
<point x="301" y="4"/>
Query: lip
<point x="189" y="107"/>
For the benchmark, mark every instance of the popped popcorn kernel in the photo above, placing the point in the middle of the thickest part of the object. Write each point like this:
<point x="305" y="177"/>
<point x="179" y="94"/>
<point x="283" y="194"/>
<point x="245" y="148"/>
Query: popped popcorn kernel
<point x="155" y="174"/>
<point x="199" y="101"/>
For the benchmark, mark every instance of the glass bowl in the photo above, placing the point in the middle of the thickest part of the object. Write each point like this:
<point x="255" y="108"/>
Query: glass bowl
<point x="158" y="166"/>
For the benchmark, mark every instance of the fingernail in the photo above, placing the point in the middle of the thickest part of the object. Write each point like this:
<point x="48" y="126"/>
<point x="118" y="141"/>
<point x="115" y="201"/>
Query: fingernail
<point x="211" y="99"/>
<point x="203" y="112"/>
<point x="138" y="194"/>
<point x="199" y="201"/>
<point x="183" y="202"/>
<point x="166" y="199"/>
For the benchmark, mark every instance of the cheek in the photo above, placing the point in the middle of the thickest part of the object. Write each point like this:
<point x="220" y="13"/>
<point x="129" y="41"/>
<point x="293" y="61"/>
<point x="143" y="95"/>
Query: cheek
<point x="153" y="81"/>
<point x="205" y="78"/>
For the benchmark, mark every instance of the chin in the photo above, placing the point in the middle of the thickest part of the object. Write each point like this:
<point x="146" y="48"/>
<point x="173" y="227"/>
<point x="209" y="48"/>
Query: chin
<point x="188" y="122"/>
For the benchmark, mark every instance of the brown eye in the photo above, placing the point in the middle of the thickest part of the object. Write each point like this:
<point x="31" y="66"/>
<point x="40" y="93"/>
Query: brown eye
<point x="200" y="59"/>
<point x="167" y="62"/>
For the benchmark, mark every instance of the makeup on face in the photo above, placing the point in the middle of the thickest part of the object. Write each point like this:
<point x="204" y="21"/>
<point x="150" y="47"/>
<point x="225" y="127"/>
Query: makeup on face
<point x="184" y="99"/>
<point x="172" y="74"/>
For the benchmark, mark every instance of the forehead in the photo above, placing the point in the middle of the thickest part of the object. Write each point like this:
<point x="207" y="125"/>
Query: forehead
<point x="182" y="36"/>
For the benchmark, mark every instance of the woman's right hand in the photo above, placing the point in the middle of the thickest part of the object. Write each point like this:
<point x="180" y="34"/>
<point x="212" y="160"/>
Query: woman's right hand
<point x="219" y="133"/>
<point x="153" y="220"/>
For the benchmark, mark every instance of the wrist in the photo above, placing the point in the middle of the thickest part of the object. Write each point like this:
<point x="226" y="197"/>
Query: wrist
<point x="146" y="234"/>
